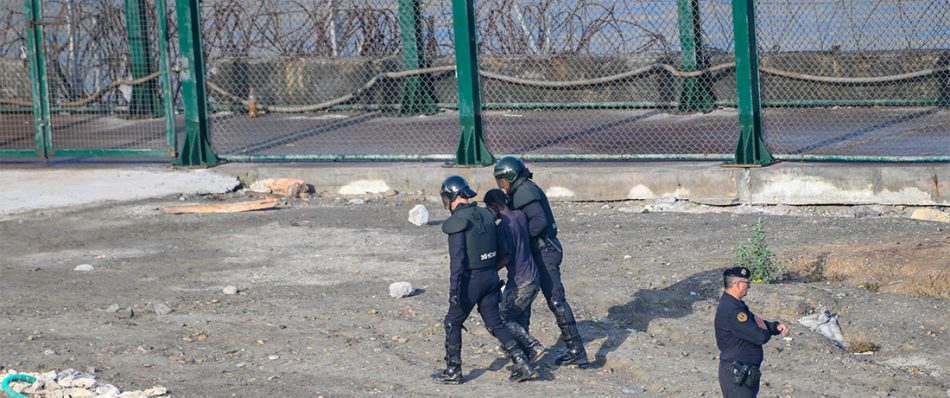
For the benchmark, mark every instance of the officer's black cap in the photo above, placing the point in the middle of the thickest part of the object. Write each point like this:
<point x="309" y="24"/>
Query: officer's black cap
<point x="738" y="272"/>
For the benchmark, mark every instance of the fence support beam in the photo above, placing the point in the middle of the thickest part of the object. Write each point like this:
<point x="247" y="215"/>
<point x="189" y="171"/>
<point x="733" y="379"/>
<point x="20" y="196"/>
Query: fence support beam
<point x="144" y="96"/>
<point x="168" y="101"/>
<point x="417" y="94"/>
<point x="39" y="84"/>
<point x="471" y="148"/>
<point x="750" y="149"/>
<point x="197" y="148"/>
<point x="695" y="92"/>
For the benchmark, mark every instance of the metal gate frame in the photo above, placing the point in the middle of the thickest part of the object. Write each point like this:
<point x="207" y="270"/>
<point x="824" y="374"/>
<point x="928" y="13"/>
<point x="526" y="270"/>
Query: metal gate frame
<point x="39" y="91"/>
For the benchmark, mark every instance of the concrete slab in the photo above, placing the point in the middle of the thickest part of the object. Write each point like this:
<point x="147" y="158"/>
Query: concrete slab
<point x="30" y="189"/>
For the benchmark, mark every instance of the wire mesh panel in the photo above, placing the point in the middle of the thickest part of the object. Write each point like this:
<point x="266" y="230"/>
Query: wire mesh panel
<point x="102" y="66"/>
<point x="855" y="77"/>
<point x="607" y="77"/>
<point x="330" y="77"/>
<point x="16" y="117"/>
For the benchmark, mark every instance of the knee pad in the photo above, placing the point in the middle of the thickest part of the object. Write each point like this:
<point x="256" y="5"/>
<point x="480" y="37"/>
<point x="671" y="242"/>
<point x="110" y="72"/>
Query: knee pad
<point x="557" y="306"/>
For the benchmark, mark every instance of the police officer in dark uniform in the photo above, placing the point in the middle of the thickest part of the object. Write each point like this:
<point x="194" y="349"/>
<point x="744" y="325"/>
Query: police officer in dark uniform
<point x="740" y="335"/>
<point x="513" y="177"/>
<point x="473" y="281"/>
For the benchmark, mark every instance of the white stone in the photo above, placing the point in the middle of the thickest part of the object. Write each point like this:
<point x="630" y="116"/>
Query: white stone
<point x="627" y="257"/>
<point x="361" y="187"/>
<point x="273" y="357"/>
<point x="133" y="394"/>
<point x="83" y="267"/>
<point x="156" y="391"/>
<point x="261" y="185"/>
<point x="112" y="308"/>
<point x="79" y="393"/>
<point x="400" y="289"/>
<point x="419" y="215"/>
<point x="230" y="289"/>
<point x="84" y="382"/>
<point x="107" y="390"/>
<point x="161" y="309"/>
<point x="357" y="201"/>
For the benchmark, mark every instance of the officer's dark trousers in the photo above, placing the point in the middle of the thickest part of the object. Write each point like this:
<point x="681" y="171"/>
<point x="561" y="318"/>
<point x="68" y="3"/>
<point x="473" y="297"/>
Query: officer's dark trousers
<point x="479" y="287"/>
<point x="516" y="310"/>
<point x="730" y="389"/>
<point x="549" y="266"/>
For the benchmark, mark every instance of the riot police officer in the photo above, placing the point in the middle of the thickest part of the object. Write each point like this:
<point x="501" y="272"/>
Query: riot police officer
<point x="740" y="335"/>
<point x="473" y="281"/>
<point x="513" y="177"/>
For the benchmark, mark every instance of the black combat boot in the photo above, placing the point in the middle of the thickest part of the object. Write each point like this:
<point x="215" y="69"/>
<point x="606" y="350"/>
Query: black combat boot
<point x="521" y="369"/>
<point x="452" y="374"/>
<point x="575" y="355"/>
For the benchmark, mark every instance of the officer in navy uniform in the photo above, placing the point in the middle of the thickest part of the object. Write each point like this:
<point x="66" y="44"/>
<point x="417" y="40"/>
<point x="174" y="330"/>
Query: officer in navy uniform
<point x="473" y="281"/>
<point x="514" y="178"/>
<point x="740" y="335"/>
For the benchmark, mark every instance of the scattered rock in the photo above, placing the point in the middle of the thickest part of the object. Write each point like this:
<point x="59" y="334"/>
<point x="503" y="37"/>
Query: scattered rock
<point x="83" y="267"/>
<point x="229" y="290"/>
<point x="390" y="193"/>
<point x="161" y="309"/>
<point x="49" y="352"/>
<point x="400" y="339"/>
<point x="357" y="201"/>
<point x="400" y="289"/>
<point x="156" y="391"/>
<point x="717" y="201"/>
<point x="126" y="313"/>
<point x="635" y="209"/>
<point x="112" y="308"/>
<point x="928" y="214"/>
<point x="633" y="390"/>
<point x="273" y="357"/>
<point x="133" y="394"/>
<point x="858" y="212"/>
<point x="107" y="390"/>
<point x="79" y="393"/>
<point x="627" y="257"/>
<point x="419" y="215"/>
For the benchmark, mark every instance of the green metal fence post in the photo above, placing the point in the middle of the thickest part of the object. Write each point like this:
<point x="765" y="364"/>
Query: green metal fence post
<point x="471" y="148"/>
<point x="197" y="148"/>
<point x="418" y="92"/>
<point x="750" y="149"/>
<point x="39" y="84"/>
<point x="145" y="95"/>
<point x="167" y="100"/>
<point x="695" y="92"/>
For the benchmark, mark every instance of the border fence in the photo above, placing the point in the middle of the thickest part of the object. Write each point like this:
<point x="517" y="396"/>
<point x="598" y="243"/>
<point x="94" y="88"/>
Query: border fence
<point x="743" y="81"/>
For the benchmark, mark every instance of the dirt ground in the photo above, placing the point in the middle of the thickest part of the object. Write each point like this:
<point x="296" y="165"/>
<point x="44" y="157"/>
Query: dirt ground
<point x="314" y="318"/>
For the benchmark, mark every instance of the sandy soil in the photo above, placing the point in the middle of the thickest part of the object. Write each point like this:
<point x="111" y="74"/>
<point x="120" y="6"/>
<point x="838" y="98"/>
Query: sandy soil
<point x="313" y="316"/>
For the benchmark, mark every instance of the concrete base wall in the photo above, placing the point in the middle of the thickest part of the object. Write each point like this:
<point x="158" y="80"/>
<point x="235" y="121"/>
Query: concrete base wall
<point x="704" y="182"/>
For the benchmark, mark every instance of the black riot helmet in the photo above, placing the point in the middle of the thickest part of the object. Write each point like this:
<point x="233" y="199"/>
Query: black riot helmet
<point x="509" y="168"/>
<point x="453" y="187"/>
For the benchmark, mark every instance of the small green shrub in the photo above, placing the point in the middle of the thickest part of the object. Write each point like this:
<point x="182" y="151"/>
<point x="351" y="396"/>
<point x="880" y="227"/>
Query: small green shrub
<point x="871" y="286"/>
<point x="756" y="256"/>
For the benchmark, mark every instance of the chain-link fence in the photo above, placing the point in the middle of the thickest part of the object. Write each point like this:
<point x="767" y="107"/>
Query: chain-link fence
<point x="582" y="79"/>
<point x="855" y="77"/>
<point x="597" y="77"/>
<point x="330" y="78"/>
<point x="16" y="124"/>
<point x="101" y="72"/>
